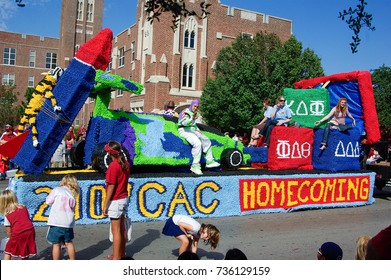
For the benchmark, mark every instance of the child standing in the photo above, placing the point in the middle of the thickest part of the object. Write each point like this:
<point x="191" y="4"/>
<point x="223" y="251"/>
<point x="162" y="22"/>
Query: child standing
<point x="58" y="158"/>
<point x="62" y="216"/>
<point x="69" y="141"/>
<point x="188" y="231"/>
<point x="117" y="198"/>
<point x="18" y="226"/>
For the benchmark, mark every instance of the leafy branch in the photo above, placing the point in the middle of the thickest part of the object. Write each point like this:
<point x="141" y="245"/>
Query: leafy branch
<point x="356" y="19"/>
<point x="155" y="8"/>
<point x="19" y="3"/>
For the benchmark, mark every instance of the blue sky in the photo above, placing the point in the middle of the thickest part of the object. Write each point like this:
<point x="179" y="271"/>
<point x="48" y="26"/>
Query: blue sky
<point x="315" y="24"/>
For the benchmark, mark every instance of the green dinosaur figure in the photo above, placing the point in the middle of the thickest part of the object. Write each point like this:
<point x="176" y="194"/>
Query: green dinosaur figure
<point x="104" y="83"/>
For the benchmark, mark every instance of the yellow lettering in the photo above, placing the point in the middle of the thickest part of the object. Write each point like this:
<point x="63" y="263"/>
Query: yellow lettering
<point x="180" y="197"/>
<point x="330" y="190"/>
<point x="364" y="188"/>
<point x="142" y="200"/>
<point x="278" y="189"/>
<point x="341" y="182"/>
<point x="353" y="187"/>
<point x="290" y="193"/>
<point x="248" y="195"/>
<point x="266" y="187"/>
<point x="77" y="208"/>
<point x="305" y="184"/>
<point x="318" y="184"/>
<point x="38" y="216"/>
<point x="206" y="209"/>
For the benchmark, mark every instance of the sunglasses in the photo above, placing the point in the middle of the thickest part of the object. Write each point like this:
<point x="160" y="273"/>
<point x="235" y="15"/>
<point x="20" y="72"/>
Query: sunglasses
<point x="282" y="100"/>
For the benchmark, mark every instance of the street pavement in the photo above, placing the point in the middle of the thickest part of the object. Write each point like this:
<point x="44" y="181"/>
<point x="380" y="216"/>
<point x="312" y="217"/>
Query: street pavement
<point x="279" y="236"/>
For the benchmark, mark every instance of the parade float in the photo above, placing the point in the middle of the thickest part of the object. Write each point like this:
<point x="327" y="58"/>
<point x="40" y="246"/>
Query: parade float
<point x="294" y="173"/>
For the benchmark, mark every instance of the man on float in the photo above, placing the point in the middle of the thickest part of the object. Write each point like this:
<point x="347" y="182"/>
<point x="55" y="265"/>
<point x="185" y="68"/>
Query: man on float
<point x="188" y="129"/>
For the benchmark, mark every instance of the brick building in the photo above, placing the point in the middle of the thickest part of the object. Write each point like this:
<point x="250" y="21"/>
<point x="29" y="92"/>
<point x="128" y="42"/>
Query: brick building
<point x="172" y="65"/>
<point x="24" y="58"/>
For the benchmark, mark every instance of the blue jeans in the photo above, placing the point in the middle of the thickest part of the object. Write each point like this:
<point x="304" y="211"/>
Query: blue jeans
<point x="267" y="130"/>
<point x="68" y="158"/>
<point x="341" y="127"/>
<point x="57" y="235"/>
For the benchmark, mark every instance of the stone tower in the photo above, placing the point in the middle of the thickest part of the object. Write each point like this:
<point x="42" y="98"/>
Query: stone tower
<point x="80" y="21"/>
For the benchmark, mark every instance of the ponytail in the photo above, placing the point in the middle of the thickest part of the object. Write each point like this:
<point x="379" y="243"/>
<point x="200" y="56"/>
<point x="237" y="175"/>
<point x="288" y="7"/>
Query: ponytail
<point x="115" y="150"/>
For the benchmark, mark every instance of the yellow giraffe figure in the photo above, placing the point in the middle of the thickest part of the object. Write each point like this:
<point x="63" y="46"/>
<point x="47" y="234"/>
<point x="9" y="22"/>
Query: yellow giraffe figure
<point x="42" y="90"/>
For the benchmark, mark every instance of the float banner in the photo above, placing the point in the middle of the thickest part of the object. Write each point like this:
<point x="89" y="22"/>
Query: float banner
<point x="215" y="196"/>
<point x="342" y="152"/>
<point x="308" y="105"/>
<point x="290" y="148"/>
<point x="291" y="193"/>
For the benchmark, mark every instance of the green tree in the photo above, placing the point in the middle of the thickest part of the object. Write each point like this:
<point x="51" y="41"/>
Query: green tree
<point x="247" y="72"/>
<point x="9" y="110"/>
<point x="28" y="95"/>
<point x="381" y="80"/>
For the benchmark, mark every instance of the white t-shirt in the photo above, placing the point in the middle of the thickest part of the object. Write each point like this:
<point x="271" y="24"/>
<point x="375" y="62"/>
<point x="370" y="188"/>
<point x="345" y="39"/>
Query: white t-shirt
<point x="60" y="151"/>
<point x="268" y="112"/>
<point x="62" y="212"/>
<point x="187" y="220"/>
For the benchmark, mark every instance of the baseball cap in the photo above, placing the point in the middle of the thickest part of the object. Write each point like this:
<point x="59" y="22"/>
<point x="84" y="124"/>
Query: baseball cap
<point x="9" y="127"/>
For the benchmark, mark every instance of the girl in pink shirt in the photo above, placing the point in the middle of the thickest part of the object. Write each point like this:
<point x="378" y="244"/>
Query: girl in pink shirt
<point x="338" y="114"/>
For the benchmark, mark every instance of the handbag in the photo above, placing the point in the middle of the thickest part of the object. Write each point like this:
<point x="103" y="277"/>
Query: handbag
<point x="128" y="228"/>
<point x="2" y="246"/>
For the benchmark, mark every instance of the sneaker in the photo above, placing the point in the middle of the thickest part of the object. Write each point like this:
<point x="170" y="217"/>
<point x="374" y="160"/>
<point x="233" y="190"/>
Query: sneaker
<point x="196" y="170"/>
<point x="213" y="164"/>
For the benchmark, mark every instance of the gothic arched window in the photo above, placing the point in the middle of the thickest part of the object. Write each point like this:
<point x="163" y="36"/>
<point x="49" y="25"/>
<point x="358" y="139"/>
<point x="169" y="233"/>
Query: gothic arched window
<point x="186" y="43"/>
<point x="184" y="76"/>
<point x="192" y="39"/>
